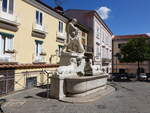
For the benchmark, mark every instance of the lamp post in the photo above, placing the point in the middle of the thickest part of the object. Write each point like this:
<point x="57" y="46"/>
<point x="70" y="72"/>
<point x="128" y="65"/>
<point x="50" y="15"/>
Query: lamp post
<point x="117" y="55"/>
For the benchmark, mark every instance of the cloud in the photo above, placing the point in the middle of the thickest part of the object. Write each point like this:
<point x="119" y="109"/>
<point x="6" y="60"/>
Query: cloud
<point x="104" y="12"/>
<point x="148" y="34"/>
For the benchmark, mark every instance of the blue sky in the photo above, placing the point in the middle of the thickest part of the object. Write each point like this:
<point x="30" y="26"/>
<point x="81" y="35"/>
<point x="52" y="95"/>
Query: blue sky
<point x="122" y="16"/>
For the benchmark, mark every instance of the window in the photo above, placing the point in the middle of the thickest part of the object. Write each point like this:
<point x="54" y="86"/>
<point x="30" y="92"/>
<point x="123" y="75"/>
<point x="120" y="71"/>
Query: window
<point x="39" y="18"/>
<point x="103" y="37"/>
<point x="38" y="47"/>
<point x="6" y="44"/>
<point x="120" y="45"/>
<point x="60" y="27"/>
<point x="8" y="6"/>
<point x="60" y="48"/>
<point x="97" y="50"/>
<point x="122" y="70"/>
<point x="97" y="33"/>
<point x="84" y="43"/>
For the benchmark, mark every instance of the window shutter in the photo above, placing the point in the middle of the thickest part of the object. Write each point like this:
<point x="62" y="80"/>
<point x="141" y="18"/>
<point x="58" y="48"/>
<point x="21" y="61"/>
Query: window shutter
<point x="37" y="17"/>
<point x="1" y="45"/>
<point x="6" y="44"/>
<point x="9" y="44"/>
<point x="41" y="18"/>
<point x="36" y="49"/>
<point x="4" y="5"/>
<point x="62" y="27"/>
<point x="59" y="27"/>
<point x="40" y="48"/>
<point x="11" y="6"/>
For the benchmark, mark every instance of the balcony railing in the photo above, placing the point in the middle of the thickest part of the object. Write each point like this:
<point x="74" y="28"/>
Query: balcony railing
<point x="9" y="18"/>
<point x="39" y="59"/>
<point x="61" y="35"/>
<point x="8" y="58"/>
<point x="106" y="60"/>
<point x="39" y="28"/>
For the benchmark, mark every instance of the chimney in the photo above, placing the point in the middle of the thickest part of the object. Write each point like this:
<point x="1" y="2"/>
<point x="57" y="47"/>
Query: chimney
<point x="59" y="9"/>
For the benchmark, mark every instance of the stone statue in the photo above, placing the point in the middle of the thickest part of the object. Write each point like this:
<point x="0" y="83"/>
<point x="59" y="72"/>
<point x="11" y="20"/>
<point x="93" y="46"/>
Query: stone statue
<point x="74" y="43"/>
<point x="74" y="63"/>
<point x="68" y="70"/>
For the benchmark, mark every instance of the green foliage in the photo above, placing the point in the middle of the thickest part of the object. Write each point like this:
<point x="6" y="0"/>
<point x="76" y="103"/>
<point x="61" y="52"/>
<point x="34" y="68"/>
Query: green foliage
<point x="147" y="54"/>
<point x="136" y="50"/>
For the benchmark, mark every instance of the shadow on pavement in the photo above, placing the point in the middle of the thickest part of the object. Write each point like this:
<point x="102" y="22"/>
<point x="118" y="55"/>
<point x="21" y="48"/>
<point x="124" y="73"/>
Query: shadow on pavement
<point x="42" y="94"/>
<point x="44" y="86"/>
<point x="28" y="97"/>
<point x="123" y="80"/>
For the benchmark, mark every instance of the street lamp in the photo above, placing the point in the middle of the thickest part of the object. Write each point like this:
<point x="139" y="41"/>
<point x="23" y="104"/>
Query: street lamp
<point x="117" y="55"/>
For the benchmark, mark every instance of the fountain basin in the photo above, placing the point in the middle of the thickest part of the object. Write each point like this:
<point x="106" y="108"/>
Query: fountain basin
<point x="79" y="86"/>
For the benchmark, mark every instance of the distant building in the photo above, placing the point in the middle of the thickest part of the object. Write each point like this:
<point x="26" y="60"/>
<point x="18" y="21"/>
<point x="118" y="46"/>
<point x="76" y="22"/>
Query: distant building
<point x="99" y="37"/>
<point x="119" y="67"/>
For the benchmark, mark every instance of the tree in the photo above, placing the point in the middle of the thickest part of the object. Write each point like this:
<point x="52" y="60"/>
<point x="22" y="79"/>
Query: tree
<point x="136" y="50"/>
<point x="147" y="54"/>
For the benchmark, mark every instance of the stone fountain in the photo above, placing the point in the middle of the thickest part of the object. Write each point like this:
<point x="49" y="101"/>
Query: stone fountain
<point x="76" y="76"/>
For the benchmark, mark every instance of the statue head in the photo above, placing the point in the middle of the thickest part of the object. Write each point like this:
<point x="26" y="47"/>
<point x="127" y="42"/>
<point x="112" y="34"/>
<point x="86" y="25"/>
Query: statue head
<point x="74" y="21"/>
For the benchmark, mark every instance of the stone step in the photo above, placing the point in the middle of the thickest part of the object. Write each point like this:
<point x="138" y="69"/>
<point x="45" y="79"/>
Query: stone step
<point x="90" y="97"/>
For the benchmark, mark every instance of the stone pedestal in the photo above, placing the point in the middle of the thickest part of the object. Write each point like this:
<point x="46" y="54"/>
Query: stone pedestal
<point x="57" y="88"/>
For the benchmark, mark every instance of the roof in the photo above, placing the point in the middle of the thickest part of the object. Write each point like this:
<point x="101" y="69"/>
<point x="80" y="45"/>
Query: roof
<point x="130" y="36"/>
<point x="92" y="12"/>
<point x="79" y="24"/>
<point x="26" y="66"/>
<point x="82" y="27"/>
<point x="40" y="1"/>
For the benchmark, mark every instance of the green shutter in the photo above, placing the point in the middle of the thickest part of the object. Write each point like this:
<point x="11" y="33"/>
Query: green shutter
<point x="6" y="34"/>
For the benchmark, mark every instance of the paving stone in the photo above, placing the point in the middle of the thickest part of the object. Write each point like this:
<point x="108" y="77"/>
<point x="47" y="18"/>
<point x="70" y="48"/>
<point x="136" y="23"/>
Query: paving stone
<point x="130" y="97"/>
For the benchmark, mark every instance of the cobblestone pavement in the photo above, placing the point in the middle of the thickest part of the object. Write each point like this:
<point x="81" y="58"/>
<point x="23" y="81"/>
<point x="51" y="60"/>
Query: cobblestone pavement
<point x="130" y="97"/>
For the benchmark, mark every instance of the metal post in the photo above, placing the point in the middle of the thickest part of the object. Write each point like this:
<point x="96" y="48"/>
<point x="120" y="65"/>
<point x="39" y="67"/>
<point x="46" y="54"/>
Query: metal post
<point x="116" y="64"/>
<point x="47" y="85"/>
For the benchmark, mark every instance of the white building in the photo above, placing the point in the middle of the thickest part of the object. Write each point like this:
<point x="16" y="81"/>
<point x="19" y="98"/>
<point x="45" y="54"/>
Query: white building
<point x="99" y="37"/>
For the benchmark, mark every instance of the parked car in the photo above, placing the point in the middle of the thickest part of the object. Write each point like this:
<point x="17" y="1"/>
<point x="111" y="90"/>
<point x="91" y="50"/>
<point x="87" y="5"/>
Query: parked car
<point x="132" y="76"/>
<point x="142" y="76"/>
<point x="148" y="75"/>
<point x="120" y="76"/>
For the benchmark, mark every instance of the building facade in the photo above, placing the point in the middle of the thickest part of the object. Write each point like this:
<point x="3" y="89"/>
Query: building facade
<point x="32" y="36"/>
<point x="99" y="37"/>
<point x="120" y="67"/>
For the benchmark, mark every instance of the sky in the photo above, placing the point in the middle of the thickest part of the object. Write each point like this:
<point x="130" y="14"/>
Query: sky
<point x="123" y="17"/>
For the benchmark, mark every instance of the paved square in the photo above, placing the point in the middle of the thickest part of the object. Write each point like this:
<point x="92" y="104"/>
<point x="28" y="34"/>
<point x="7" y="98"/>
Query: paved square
<point x="130" y="97"/>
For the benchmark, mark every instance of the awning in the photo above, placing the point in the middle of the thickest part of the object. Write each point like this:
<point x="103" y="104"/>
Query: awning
<point x="6" y="34"/>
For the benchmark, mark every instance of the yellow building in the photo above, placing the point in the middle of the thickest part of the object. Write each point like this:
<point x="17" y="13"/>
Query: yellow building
<point x="121" y="67"/>
<point x="32" y="36"/>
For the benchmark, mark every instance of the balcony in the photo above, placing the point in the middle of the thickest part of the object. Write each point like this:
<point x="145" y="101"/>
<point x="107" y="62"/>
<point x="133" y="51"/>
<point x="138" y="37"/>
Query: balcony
<point x="8" y="58"/>
<point x="9" y="18"/>
<point x="39" y="28"/>
<point x="61" y="35"/>
<point x="106" y="60"/>
<point x="39" y="59"/>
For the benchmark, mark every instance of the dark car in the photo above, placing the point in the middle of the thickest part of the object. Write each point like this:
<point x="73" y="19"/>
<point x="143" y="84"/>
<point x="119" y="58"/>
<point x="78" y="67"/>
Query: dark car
<point x="148" y="76"/>
<point x="120" y="76"/>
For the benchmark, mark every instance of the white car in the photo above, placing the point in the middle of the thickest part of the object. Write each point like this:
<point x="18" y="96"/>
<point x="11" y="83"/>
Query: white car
<point x="142" y="76"/>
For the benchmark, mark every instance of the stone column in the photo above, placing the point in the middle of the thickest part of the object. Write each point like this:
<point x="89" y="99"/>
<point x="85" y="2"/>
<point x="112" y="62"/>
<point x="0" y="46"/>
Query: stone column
<point x="57" y="88"/>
